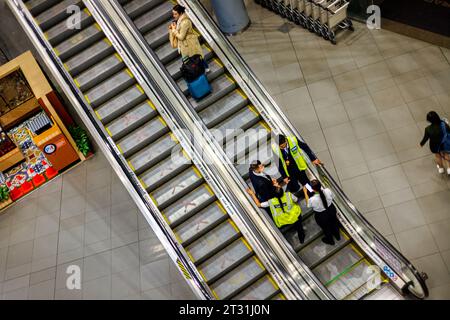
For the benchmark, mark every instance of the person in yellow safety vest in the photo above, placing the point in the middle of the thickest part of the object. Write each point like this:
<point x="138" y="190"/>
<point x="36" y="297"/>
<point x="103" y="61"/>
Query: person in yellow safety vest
<point x="292" y="165"/>
<point x="284" y="209"/>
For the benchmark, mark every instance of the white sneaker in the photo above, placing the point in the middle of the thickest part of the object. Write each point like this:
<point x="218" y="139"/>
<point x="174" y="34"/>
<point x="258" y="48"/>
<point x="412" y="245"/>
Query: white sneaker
<point x="448" y="171"/>
<point x="207" y="70"/>
<point x="440" y="170"/>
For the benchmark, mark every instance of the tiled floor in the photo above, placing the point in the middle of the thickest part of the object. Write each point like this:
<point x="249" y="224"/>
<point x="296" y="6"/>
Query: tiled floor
<point x="84" y="218"/>
<point x="360" y="105"/>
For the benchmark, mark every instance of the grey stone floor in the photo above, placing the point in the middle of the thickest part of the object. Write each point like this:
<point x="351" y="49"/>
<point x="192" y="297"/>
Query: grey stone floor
<point x="361" y="106"/>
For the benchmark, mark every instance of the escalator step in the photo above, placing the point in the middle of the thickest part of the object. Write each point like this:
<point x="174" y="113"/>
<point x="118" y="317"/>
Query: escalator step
<point x="177" y="187"/>
<point x="122" y="103"/>
<point x="164" y="170"/>
<point x="99" y="72"/>
<point x="109" y="88"/>
<point x="142" y="136"/>
<point x="56" y="13"/>
<point x="333" y="268"/>
<point x="138" y="7"/>
<point x="263" y="289"/>
<point x="278" y="297"/>
<point x="201" y="223"/>
<point x="225" y="260"/>
<point x="166" y="53"/>
<point x="153" y="153"/>
<point x="158" y="36"/>
<point x="317" y="250"/>
<point x="223" y="108"/>
<point x="79" y="42"/>
<point x="154" y="18"/>
<point x="36" y="7"/>
<point x="131" y="120"/>
<point x="253" y="137"/>
<point x="351" y="281"/>
<point x="184" y="208"/>
<point x="213" y="241"/>
<point x="88" y="57"/>
<point x="235" y="124"/>
<point x="63" y="30"/>
<point x="238" y="279"/>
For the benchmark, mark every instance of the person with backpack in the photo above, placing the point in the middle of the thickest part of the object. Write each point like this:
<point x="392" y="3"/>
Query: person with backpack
<point x="284" y="210"/>
<point x="324" y="212"/>
<point x="438" y="132"/>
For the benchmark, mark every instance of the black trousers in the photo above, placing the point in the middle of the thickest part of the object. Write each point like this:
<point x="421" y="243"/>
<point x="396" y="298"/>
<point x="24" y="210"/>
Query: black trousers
<point x="299" y="228"/>
<point x="297" y="179"/>
<point x="328" y="222"/>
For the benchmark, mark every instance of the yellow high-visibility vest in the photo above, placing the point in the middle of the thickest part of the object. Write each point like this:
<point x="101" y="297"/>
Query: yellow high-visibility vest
<point x="296" y="153"/>
<point x="291" y="210"/>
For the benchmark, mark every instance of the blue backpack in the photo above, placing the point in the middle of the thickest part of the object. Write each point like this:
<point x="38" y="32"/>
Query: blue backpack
<point x="445" y="144"/>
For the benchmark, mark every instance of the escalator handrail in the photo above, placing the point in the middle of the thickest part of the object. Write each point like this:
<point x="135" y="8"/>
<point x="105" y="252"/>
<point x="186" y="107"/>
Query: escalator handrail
<point x="118" y="163"/>
<point x="251" y="83"/>
<point x="123" y="33"/>
<point x="181" y="100"/>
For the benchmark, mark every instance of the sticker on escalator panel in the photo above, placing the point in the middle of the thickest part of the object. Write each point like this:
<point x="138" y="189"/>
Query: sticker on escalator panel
<point x="391" y="274"/>
<point x="113" y="145"/>
<point x="183" y="270"/>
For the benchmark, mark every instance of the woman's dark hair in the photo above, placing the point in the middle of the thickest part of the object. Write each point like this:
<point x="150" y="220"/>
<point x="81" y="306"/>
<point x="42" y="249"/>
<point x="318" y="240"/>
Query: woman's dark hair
<point x="179" y="9"/>
<point x="317" y="187"/>
<point x="279" y="192"/>
<point x="433" y="118"/>
<point x="254" y="165"/>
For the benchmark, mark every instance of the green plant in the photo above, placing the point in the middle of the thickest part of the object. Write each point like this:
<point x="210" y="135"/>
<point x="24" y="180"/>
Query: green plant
<point x="4" y="193"/>
<point x="81" y="139"/>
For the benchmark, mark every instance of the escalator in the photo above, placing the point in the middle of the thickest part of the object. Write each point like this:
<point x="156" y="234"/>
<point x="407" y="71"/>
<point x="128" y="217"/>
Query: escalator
<point x="214" y="244"/>
<point x="230" y="115"/>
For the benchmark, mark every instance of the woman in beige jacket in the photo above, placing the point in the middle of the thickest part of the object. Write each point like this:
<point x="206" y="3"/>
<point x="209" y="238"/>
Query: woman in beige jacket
<point x="182" y="35"/>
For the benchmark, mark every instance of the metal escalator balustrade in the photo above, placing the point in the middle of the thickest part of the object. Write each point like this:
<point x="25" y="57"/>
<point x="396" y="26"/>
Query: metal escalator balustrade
<point x="138" y="131"/>
<point x="111" y="14"/>
<point x="364" y="238"/>
<point x="229" y="108"/>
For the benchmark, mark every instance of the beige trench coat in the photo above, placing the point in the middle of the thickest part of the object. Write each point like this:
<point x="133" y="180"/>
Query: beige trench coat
<point x="185" y="38"/>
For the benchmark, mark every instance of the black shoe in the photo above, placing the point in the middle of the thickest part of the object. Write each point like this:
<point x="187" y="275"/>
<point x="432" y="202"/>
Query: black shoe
<point x="331" y="243"/>
<point x="301" y="238"/>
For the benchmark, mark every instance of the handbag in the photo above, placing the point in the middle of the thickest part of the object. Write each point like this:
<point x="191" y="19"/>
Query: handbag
<point x="445" y="143"/>
<point x="192" y="68"/>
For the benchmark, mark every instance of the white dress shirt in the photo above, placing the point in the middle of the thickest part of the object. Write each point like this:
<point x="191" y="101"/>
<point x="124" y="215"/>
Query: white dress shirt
<point x="315" y="202"/>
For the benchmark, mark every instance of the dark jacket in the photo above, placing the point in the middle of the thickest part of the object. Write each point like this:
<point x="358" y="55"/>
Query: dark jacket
<point x="434" y="133"/>
<point x="292" y="165"/>
<point x="264" y="188"/>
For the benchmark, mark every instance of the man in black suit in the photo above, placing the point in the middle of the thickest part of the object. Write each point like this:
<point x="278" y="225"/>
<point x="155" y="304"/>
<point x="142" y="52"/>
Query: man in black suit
<point x="262" y="183"/>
